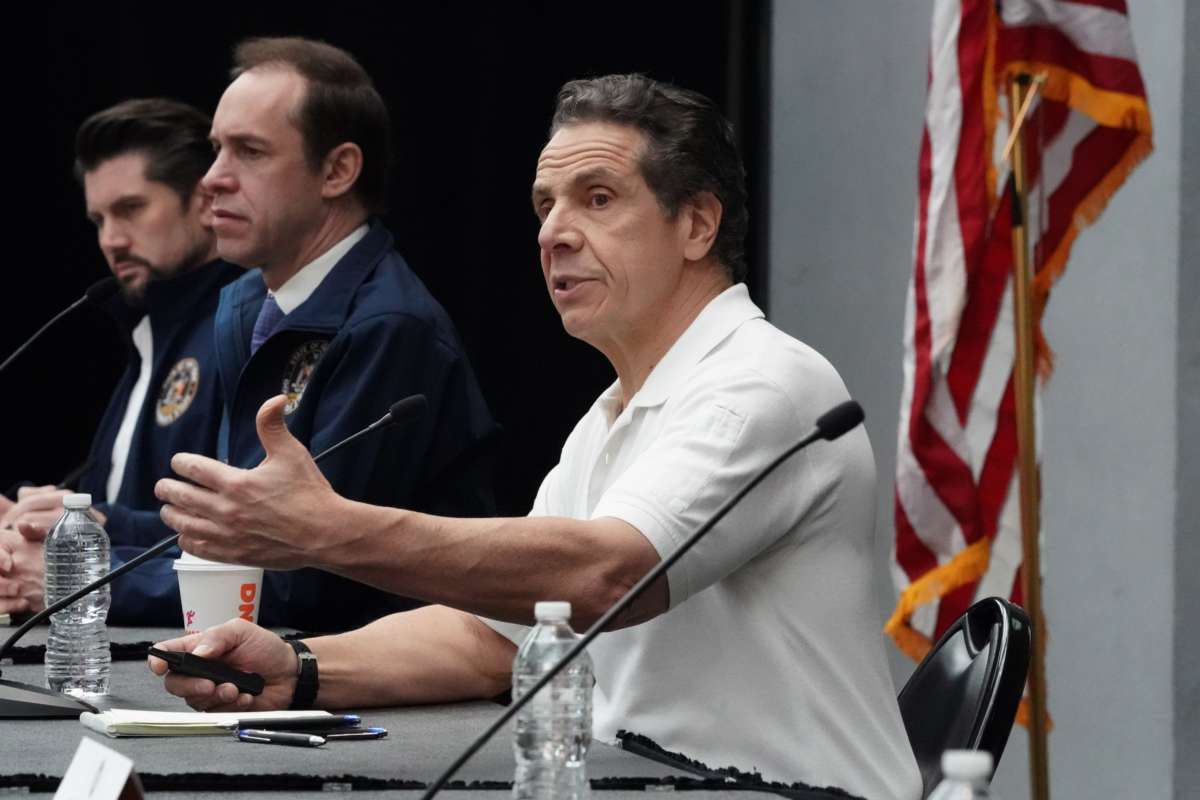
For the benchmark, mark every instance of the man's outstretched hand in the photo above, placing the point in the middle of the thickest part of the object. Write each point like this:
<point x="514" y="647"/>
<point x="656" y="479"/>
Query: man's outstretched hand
<point x="273" y="516"/>
<point x="242" y="645"/>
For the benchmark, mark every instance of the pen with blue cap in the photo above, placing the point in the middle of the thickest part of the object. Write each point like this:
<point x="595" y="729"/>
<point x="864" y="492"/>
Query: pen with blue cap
<point x="317" y="719"/>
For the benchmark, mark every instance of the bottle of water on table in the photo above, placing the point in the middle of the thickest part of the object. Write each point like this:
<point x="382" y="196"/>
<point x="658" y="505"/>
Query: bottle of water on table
<point x="78" y="659"/>
<point x="553" y="732"/>
<point x="966" y="776"/>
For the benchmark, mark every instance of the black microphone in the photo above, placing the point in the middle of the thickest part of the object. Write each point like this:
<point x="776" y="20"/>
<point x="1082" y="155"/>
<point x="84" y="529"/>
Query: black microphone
<point x="830" y="425"/>
<point x="402" y="411"/>
<point x="24" y="701"/>
<point x="98" y="292"/>
<point x="839" y="419"/>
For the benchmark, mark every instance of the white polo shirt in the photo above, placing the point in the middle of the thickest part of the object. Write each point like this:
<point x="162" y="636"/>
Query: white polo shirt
<point x="771" y="657"/>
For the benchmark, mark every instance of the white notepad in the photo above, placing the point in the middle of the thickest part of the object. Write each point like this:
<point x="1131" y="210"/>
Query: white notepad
<point x="132" y="722"/>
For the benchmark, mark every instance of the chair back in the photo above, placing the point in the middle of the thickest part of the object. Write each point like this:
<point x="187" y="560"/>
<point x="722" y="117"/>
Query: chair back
<point x="964" y="694"/>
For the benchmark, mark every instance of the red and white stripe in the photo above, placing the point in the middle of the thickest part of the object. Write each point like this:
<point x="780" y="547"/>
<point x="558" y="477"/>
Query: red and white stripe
<point x="956" y="455"/>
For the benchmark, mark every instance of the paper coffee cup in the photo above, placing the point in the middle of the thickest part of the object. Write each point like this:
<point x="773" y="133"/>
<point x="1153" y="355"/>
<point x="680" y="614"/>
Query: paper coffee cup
<point x="212" y="592"/>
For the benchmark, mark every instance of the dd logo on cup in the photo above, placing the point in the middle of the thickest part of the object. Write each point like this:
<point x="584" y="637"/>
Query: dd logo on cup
<point x="246" y="609"/>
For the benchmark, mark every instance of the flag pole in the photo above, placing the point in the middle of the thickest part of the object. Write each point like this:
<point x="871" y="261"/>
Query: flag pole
<point x="1021" y="88"/>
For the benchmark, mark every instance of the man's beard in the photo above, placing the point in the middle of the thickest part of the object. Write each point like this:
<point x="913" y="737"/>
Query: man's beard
<point x="134" y="295"/>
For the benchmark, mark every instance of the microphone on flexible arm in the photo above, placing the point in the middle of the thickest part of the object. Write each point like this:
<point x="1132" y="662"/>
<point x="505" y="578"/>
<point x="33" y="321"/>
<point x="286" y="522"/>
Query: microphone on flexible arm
<point x="833" y="423"/>
<point x="98" y="292"/>
<point x="25" y="701"/>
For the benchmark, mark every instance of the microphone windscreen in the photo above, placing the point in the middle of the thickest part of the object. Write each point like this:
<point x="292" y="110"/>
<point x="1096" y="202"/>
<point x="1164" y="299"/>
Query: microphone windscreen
<point x="839" y="419"/>
<point x="407" y="409"/>
<point x="102" y="289"/>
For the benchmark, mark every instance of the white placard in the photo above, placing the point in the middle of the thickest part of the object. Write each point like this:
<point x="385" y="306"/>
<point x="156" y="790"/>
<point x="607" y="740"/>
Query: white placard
<point x="98" y="773"/>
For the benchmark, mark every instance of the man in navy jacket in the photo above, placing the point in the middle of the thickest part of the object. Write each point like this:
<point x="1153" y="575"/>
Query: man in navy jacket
<point x="140" y="163"/>
<point x="331" y="315"/>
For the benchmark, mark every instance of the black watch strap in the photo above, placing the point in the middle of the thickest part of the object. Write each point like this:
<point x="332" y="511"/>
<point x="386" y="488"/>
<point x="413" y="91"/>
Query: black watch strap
<point x="306" y="677"/>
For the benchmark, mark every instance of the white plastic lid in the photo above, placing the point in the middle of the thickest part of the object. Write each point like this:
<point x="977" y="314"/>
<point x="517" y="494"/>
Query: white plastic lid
<point x="967" y="764"/>
<point x="552" y="611"/>
<point x="187" y="561"/>
<point x="187" y="557"/>
<point x="77" y="501"/>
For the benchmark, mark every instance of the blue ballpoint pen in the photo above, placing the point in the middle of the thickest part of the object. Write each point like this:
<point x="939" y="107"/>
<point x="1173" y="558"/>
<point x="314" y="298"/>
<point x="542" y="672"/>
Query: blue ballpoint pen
<point x="299" y="723"/>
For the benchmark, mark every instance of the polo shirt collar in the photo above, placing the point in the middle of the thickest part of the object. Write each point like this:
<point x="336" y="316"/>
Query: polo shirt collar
<point x="724" y="314"/>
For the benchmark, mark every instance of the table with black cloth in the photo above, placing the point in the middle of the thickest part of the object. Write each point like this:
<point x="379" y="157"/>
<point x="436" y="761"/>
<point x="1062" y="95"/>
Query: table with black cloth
<point x="421" y="743"/>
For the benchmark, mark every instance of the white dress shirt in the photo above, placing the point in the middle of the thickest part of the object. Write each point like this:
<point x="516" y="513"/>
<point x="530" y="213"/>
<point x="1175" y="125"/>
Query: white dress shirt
<point x="300" y="286"/>
<point x="143" y="342"/>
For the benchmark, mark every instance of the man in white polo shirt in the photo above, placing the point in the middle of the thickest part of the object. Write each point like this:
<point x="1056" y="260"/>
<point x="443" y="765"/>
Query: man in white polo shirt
<point x="761" y="649"/>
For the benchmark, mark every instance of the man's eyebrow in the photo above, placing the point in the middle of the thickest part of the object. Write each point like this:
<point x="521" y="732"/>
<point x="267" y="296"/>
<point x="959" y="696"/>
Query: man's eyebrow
<point x="119" y="200"/>
<point x="541" y="189"/>
<point x="241" y="138"/>
<point x="129" y="197"/>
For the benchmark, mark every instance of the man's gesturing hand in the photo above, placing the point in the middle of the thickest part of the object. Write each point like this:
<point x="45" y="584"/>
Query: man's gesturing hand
<point x="270" y="516"/>
<point x="242" y="645"/>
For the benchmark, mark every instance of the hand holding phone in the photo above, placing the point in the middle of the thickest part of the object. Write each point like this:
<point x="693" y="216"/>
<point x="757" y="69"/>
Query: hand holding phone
<point x="199" y="667"/>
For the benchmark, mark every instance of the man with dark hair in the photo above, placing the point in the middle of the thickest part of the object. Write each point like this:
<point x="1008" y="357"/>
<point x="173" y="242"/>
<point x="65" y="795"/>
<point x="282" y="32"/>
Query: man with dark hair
<point x="140" y="164"/>
<point x="330" y="314"/>
<point x="689" y="148"/>
<point x="761" y="648"/>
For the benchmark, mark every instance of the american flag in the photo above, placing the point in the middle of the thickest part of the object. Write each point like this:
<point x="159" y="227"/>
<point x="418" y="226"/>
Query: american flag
<point x="957" y="512"/>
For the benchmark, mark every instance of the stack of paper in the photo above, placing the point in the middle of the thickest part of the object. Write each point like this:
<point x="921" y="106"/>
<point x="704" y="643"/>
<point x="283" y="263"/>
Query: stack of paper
<point x="132" y="722"/>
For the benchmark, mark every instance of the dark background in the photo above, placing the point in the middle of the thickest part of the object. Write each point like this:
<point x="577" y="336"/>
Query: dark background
<point x="470" y="86"/>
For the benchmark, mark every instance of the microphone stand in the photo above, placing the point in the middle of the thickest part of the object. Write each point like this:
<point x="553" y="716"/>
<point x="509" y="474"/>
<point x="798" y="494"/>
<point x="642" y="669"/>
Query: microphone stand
<point x="97" y="292"/>
<point x="19" y="700"/>
<point x="830" y="425"/>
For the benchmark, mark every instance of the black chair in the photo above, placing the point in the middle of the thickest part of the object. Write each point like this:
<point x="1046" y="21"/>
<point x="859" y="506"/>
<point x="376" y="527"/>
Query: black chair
<point x="964" y="694"/>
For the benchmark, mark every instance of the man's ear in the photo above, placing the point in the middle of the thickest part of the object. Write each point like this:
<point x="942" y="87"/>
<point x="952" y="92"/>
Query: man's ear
<point x="340" y="169"/>
<point x="702" y="220"/>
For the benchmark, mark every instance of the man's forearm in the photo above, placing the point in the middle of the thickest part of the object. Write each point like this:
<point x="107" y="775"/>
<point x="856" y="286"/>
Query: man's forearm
<point x="494" y="567"/>
<point x="430" y="655"/>
<point x="283" y="514"/>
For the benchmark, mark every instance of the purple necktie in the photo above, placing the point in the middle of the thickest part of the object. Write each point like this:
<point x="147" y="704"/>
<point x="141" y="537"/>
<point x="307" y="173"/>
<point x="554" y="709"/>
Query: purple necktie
<point x="269" y="317"/>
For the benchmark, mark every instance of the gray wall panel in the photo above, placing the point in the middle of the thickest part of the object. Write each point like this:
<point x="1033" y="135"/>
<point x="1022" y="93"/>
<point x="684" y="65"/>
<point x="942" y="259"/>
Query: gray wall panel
<point x="1187" y="480"/>
<point x="848" y="94"/>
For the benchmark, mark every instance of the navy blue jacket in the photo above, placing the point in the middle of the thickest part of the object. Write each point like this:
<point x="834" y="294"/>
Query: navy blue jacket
<point x="181" y="412"/>
<point x="369" y="335"/>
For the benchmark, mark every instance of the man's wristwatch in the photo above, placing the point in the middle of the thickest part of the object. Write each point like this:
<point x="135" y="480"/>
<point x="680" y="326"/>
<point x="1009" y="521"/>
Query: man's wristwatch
<point x="306" y="677"/>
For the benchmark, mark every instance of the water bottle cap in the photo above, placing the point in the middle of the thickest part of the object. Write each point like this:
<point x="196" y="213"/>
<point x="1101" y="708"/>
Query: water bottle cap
<point x="77" y="501"/>
<point x="552" y="611"/>
<point x="966" y="764"/>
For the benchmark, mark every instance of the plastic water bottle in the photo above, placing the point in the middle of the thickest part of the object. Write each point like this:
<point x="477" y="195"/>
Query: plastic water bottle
<point x="554" y="731"/>
<point x="78" y="660"/>
<point x="967" y="774"/>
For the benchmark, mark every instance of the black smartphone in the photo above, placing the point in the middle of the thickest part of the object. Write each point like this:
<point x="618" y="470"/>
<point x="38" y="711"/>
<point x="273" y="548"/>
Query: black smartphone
<point x="215" y="671"/>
